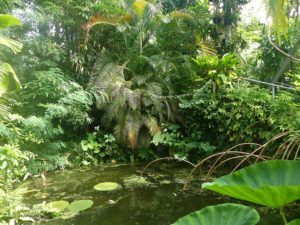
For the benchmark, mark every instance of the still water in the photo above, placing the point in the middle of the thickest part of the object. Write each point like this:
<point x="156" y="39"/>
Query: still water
<point x="158" y="201"/>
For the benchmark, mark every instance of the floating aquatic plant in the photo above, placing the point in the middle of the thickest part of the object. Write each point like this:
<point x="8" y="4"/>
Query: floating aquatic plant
<point x="80" y="205"/>
<point x="56" y="206"/>
<point x="107" y="186"/>
<point x="135" y="181"/>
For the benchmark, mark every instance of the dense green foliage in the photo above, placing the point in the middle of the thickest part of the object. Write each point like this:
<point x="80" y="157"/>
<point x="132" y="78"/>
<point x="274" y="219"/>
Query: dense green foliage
<point x="118" y="81"/>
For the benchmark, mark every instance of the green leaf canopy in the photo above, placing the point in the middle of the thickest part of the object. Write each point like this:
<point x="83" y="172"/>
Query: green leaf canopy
<point x="271" y="183"/>
<point x="224" y="214"/>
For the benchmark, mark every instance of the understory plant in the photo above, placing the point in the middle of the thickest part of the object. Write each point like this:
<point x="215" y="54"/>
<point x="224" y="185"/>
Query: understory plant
<point x="180" y="145"/>
<point x="13" y="169"/>
<point x="99" y="147"/>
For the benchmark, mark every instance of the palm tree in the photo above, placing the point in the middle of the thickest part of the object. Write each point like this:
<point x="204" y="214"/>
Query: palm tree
<point x="8" y="78"/>
<point x="137" y="76"/>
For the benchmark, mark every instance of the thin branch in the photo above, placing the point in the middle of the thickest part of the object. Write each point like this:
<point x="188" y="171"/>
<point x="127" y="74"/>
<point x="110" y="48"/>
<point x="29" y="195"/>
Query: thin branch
<point x="166" y="159"/>
<point x="281" y="51"/>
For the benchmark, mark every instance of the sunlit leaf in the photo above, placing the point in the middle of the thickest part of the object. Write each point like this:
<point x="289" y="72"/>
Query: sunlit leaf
<point x="8" y="20"/>
<point x="8" y="78"/>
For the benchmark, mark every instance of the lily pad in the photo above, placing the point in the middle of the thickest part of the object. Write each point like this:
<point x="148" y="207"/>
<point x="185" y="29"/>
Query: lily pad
<point x="135" y="181"/>
<point x="107" y="186"/>
<point x="56" y="206"/>
<point x="80" y="205"/>
<point x="233" y="214"/>
<point x="271" y="183"/>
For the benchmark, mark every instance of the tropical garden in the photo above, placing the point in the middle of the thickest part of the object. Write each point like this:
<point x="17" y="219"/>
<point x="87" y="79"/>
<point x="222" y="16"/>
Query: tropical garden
<point x="150" y="112"/>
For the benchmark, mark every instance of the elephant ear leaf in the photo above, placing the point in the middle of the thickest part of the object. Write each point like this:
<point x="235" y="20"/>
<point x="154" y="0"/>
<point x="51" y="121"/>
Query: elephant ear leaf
<point x="271" y="183"/>
<point x="294" y="222"/>
<point x="224" y="214"/>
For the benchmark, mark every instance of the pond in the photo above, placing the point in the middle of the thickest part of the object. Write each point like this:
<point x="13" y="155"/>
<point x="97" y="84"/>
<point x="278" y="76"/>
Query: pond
<point x="157" y="200"/>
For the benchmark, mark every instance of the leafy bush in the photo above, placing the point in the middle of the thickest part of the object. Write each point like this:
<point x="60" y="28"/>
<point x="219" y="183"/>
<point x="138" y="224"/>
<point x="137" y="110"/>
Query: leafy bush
<point x="221" y="71"/>
<point x="72" y="109"/>
<point x="99" y="147"/>
<point x="12" y="165"/>
<point x="180" y="145"/>
<point x="233" y="115"/>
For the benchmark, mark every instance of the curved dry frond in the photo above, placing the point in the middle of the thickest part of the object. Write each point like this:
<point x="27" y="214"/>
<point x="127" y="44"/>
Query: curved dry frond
<point x="205" y="47"/>
<point x="134" y="123"/>
<point x="99" y="19"/>
<point x="152" y="124"/>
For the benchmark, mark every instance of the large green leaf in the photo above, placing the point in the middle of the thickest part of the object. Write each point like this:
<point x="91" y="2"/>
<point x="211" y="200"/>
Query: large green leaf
<point x="8" y="78"/>
<point x="294" y="222"/>
<point x="224" y="214"/>
<point x="272" y="183"/>
<point x="8" y="21"/>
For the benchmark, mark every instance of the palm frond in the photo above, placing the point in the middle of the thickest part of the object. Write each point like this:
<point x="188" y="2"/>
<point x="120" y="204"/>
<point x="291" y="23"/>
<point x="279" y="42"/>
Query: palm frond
<point x="134" y="123"/>
<point x="181" y="15"/>
<point x="8" y="78"/>
<point x="4" y="109"/>
<point x="99" y="19"/>
<point x="152" y="124"/>
<point x="277" y="11"/>
<point x="205" y="47"/>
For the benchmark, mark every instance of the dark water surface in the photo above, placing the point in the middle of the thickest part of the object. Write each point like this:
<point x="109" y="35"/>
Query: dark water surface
<point x="160" y="203"/>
